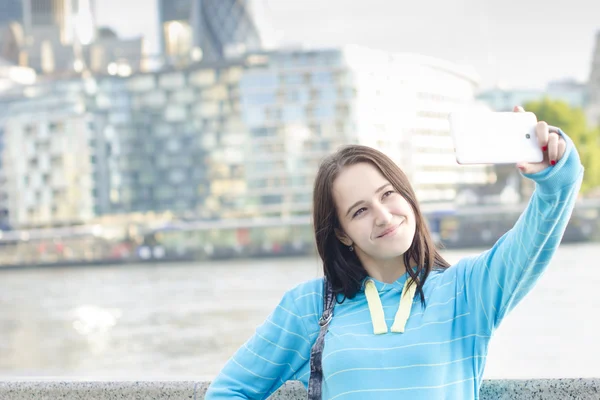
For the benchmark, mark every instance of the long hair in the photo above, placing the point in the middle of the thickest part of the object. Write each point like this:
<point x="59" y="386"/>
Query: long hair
<point x="341" y="266"/>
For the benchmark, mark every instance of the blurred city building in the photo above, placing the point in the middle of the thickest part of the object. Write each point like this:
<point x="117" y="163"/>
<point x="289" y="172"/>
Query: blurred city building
<point x="299" y="106"/>
<point x="574" y="93"/>
<point x="210" y="30"/>
<point x="46" y="160"/>
<point x="240" y="138"/>
<point x="218" y="148"/>
<point x="593" y="108"/>
<point x="60" y="38"/>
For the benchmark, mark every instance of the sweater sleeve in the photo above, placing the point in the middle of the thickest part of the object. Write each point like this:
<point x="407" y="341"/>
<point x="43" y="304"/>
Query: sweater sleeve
<point x="272" y="356"/>
<point x="498" y="279"/>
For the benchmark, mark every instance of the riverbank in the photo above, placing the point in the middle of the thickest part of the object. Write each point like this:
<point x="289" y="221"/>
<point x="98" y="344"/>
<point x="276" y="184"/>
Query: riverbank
<point x="546" y="389"/>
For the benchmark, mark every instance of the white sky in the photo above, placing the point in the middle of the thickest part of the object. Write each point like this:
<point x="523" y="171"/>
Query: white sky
<point x="521" y="43"/>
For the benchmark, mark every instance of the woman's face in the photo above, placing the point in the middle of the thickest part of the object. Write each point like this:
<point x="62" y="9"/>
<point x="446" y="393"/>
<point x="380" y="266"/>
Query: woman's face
<point x="376" y="220"/>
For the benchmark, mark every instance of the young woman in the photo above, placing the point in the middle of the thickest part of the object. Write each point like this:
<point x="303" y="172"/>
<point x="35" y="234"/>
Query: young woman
<point x="405" y="323"/>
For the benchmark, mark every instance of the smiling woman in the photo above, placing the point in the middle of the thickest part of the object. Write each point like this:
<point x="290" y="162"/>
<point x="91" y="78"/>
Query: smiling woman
<point x="367" y="222"/>
<point x="391" y="317"/>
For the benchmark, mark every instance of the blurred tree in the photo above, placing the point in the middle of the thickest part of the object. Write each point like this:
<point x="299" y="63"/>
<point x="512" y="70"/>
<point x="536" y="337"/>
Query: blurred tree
<point x="573" y="122"/>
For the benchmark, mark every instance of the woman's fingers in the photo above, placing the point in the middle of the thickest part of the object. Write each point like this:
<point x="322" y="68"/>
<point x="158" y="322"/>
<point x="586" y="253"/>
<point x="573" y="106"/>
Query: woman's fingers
<point x="553" y="148"/>
<point x="542" y="132"/>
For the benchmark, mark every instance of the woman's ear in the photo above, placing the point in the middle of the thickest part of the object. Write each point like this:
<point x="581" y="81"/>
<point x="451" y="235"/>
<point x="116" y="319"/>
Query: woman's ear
<point x="342" y="237"/>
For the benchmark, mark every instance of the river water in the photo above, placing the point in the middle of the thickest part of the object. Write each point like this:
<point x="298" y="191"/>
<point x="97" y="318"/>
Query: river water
<point x="182" y="321"/>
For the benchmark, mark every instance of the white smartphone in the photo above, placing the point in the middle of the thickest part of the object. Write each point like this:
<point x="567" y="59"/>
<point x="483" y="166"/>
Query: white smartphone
<point x="487" y="137"/>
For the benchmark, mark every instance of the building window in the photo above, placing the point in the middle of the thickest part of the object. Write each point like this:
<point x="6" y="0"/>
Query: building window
<point x="56" y="127"/>
<point x="322" y="78"/>
<point x="255" y="80"/>
<point x="293" y="79"/>
<point x="271" y="199"/>
<point x="178" y="38"/>
<point x="292" y="113"/>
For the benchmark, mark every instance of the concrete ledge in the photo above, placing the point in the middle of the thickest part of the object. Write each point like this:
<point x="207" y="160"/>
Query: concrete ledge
<point x="142" y="390"/>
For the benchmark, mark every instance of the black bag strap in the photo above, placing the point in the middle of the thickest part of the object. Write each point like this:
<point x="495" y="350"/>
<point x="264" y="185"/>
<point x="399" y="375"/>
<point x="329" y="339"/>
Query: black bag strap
<point x="316" y="369"/>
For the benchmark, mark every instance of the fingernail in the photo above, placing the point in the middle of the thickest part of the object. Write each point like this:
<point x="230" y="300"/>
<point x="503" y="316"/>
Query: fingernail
<point x="545" y="148"/>
<point x="522" y="168"/>
<point x="553" y="162"/>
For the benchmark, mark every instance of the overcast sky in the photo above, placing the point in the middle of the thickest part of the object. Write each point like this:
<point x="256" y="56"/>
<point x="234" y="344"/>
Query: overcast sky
<point x="520" y="43"/>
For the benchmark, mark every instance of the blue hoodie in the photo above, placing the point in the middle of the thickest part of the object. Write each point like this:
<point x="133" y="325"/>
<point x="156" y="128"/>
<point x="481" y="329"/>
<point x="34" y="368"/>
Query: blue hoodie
<point x="383" y="344"/>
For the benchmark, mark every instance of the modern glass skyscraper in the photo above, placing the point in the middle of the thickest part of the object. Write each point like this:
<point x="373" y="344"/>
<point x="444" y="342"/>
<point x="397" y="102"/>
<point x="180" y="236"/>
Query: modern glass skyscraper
<point x="10" y="10"/>
<point x="210" y="29"/>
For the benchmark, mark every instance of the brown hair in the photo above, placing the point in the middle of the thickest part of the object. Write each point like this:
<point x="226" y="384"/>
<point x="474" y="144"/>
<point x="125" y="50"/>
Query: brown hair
<point x="341" y="266"/>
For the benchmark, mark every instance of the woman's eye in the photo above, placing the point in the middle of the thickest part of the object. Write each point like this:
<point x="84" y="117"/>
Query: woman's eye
<point x="389" y="192"/>
<point x="359" y="211"/>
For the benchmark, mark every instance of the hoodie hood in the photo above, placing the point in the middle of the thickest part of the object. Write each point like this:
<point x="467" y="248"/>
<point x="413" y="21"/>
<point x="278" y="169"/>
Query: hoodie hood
<point x="373" y="288"/>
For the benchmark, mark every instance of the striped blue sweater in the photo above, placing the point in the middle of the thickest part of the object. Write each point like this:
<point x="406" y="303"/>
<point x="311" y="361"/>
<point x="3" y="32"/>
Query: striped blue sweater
<point x="442" y="352"/>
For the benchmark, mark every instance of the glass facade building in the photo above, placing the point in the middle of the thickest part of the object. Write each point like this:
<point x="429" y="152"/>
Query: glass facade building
<point x="10" y="10"/>
<point x="236" y="139"/>
<point x="207" y="29"/>
<point x="47" y="160"/>
<point x="299" y="106"/>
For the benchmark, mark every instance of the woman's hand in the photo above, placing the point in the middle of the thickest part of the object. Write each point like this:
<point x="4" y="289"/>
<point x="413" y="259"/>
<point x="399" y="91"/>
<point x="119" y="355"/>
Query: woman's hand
<point x="553" y="146"/>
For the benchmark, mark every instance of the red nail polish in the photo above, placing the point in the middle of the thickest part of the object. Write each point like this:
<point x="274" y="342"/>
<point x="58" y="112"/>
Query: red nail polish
<point x="545" y="148"/>
<point x="553" y="162"/>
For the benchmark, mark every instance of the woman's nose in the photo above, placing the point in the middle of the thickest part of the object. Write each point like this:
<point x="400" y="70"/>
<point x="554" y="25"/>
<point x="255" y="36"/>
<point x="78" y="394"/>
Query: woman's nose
<point x="383" y="216"/>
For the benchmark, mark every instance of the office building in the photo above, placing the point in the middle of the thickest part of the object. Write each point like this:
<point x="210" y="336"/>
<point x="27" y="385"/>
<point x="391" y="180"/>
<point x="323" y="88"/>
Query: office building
<point x="300" y="105"/>
<point x="210" y="30"/>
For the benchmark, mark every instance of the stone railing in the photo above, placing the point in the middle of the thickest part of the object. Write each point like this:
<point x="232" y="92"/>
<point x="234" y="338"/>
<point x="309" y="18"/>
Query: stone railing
<point x="138" y="390"/>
